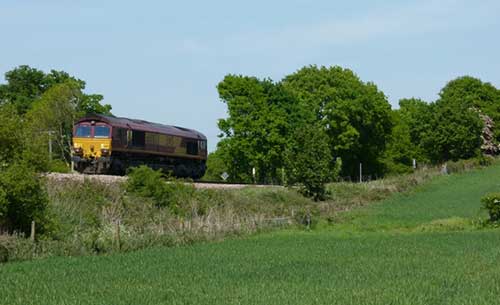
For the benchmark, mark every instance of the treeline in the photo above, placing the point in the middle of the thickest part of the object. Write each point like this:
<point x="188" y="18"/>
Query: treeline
<point x="37" y="110"/>
<point x="327" y="118"/>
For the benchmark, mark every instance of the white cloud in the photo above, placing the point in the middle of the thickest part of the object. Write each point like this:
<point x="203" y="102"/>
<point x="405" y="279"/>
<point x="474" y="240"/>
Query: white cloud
<point x="422" y="17"/>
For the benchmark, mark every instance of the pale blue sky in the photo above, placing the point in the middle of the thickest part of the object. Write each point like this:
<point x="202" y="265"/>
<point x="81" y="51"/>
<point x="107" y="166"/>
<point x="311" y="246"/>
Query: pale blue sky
<point x="161" y="60"/>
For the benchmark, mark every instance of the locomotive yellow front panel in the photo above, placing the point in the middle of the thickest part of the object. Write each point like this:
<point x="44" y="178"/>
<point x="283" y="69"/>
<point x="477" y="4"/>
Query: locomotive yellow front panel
<point x="92" y="148"/>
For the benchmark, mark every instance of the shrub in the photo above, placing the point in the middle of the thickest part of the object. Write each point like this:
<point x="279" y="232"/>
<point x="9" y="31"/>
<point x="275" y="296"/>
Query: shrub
<point x="308" y="161"/>
<point x="491" y="203"/>
<point x="22" y="198"/>
<point x="145" y="182"/>
<point x="59" y="166"/>
<point x="4" y="254"/>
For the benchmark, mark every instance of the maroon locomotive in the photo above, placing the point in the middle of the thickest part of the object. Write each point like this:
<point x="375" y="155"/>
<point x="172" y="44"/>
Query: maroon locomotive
<point x="107" y="144"/>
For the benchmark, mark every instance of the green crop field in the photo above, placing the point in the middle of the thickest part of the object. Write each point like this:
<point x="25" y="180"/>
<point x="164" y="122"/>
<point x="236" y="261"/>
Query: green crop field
<point x="416" y="248"/>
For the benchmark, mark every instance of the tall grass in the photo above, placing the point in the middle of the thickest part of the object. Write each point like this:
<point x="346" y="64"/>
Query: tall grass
<point x="91" y="218"/>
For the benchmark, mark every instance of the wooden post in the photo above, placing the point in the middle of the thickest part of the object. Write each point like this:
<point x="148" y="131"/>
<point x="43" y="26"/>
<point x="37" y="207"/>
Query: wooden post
<point x="32" y="236"/>
<point x="50" y="145"/>
<point x="118" y="240"/>
<point x="360" y="172"/>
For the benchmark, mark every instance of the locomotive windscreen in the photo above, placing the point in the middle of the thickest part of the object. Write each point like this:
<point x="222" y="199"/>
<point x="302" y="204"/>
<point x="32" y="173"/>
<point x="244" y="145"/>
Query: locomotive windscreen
<point x="83" y="131"/>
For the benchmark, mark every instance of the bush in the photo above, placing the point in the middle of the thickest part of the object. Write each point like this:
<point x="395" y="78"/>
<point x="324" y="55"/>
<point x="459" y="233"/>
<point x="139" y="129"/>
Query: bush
<point x="469" y="164"/>
<point x="59" y="166"/>
<point x="4" y="254"/>
<point x="491" y="203"/>
<point x="308" y="161"/>
<point x="145" y="182"/>
<point x="22" y="199"/>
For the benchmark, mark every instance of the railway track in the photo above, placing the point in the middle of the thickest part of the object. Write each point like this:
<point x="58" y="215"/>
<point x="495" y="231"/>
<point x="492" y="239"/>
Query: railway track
<point x="62" y="177"/>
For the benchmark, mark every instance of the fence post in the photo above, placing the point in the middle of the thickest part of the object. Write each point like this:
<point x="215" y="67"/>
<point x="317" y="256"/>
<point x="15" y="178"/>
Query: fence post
<point x="360" y="172"/>
<point x="118" y="239"/>
<point x="32" y="236"/>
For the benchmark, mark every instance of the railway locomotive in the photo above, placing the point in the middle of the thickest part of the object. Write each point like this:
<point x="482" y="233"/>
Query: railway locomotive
<point x="110" y="145"/>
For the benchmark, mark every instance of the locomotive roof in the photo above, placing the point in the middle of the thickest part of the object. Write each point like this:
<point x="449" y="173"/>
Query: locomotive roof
<point x="144" y="126"/>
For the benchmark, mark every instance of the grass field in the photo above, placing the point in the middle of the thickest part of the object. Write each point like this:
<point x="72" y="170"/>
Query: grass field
<point x="417" y="248"/>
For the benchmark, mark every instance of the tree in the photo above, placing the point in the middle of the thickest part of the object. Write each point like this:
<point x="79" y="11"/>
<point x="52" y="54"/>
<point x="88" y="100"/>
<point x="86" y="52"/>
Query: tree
<point x="32" y="104"/>
<point x="400" y="151"/>
<point x="355" y="115"/>
<point x="468" y="92"/>
<point x="11" y="134"/>
<point x="22" y="198"/>
<point x="308" y="160"/>
<point x="52" y="117"/>
<point x="25" y="85"/>
<point x="91" y="103"/>
<point x="256" y="131"/>
<point x="455" y="134"/>
<point x="454" y="129"/>
<point x="215" y="166"/>
<point x="417" y="115"/>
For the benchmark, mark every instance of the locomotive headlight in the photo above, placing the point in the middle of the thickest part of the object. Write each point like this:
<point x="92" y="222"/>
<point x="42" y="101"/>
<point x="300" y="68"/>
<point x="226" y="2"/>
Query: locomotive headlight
<point x="104" y="150"/>
<point x="77" y="150"/>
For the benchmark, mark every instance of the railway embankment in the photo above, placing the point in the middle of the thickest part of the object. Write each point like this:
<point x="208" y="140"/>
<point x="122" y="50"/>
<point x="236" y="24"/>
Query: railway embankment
<point x="88" y="215"/>
<point x="110" y="179"/>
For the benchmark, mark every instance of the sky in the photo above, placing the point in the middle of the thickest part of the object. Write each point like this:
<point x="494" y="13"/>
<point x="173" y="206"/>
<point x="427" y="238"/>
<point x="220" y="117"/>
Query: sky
<point x="161" y="60"/>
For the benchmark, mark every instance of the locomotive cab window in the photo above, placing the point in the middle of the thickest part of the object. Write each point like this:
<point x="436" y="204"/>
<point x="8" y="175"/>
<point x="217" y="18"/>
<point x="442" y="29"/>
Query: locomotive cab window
<point x="101" y="131"/>
<point x="83" y="131"/>
<point x="138" y="138"/>
<point x="203" y="145"/>
<point x="192" y="147"/>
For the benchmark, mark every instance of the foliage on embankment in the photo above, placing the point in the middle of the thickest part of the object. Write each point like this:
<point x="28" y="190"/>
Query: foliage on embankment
<point x="91" y="217"/>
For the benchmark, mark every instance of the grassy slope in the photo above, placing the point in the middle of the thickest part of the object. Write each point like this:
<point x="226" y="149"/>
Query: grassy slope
<point x="318" y="267"/>
<point x="443" y="198"/>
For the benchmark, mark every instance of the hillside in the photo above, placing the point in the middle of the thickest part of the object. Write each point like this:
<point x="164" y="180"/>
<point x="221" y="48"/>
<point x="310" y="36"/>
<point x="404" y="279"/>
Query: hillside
<point x="414" y="248"/>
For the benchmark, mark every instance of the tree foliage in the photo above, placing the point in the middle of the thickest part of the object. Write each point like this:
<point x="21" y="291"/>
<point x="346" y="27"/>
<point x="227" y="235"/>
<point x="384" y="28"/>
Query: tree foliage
<point x="11" y="134"/>
<point x="34" y="104"/>
<point x="355" y="115"/>
<point x="216" y="166"/>
<point x="256" y="132"/>
<point x="263" y="118"/>
<point x="52" y="117"/>
<point x="22" y="198"/>
<point x="400" y="152"/>
<point x="456" y="133"/>
<point x="468" y="92"/>
<point x="308" y="160"/>
<point x="25" y="85"/>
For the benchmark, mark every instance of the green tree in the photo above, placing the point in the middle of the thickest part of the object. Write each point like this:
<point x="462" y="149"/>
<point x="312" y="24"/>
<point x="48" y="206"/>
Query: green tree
<point x="471" y="93"/>
<point x="308" y="160"/>
<point x="11" y="135"/>
<point x="455" y="134"/>
<point x="256" y="131"/>
<point x="34" y="103"/>
<point x="400" y="151"/>
<point x="454" y="131"/>
<point x="355" y="115"/>
<point x="417" y="116"/>
<point x="52" y="117"/>
<point x="25" y="85"/>
<point x="91" y="103"/>
<point x="215" y="166"/>
<point x="22" y="198"/>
